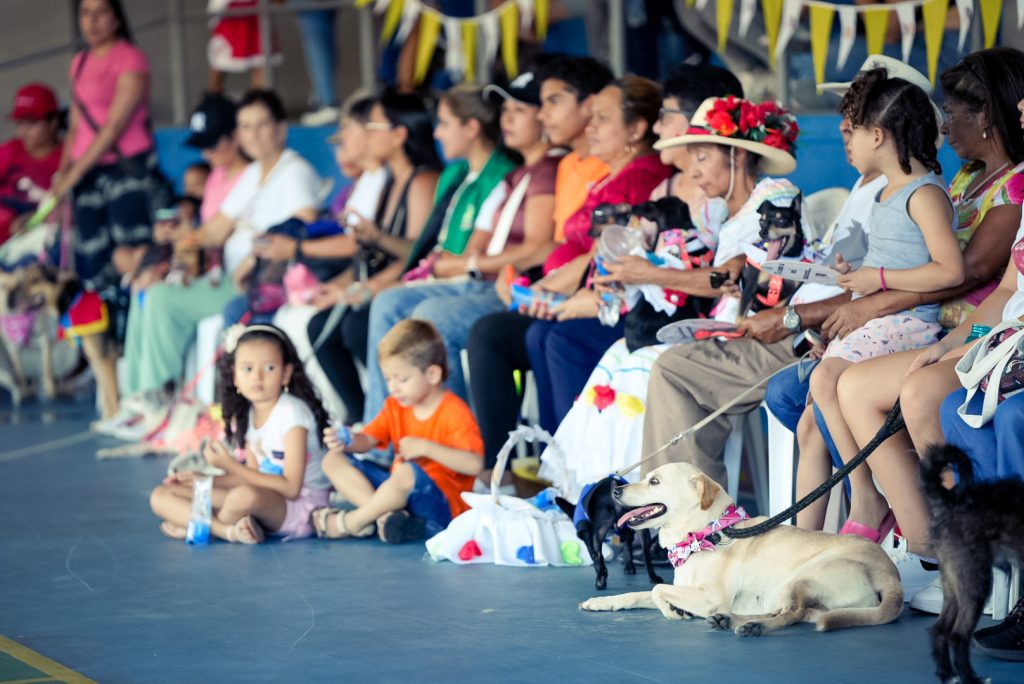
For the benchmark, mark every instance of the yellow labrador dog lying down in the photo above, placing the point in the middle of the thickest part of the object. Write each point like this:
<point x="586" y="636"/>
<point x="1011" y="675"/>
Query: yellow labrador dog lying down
<point x="754" y="585"/>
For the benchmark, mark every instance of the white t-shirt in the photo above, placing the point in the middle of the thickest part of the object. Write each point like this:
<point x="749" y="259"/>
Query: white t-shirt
<point x="365" y="196"/>
<point x="1015" y="305"/>
<point x="290" y="186"/>
<point x="289" y="412"/>
<point x="853" y="218"/>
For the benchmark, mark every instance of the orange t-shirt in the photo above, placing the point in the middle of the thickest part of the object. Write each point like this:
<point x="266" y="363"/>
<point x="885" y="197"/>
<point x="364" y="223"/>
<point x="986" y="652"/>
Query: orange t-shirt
<point x="451" y="425"/>
<point x="575" y="177"/>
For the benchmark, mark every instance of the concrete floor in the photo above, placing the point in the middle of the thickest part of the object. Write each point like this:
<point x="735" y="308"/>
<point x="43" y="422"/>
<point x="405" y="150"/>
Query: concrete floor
<point x="90" y="583"/>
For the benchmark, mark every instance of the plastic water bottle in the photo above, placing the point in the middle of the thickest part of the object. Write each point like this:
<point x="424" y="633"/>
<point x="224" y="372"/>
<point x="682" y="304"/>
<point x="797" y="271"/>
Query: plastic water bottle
<point x="198" y="530"/>
<point x="615" y="243"/>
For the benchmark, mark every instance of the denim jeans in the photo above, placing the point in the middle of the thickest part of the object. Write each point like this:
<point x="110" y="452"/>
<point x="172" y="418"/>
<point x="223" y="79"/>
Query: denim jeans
<point x="317" y="28"/>
<point x="996" y="448"/>
<point x="453" y="308"/>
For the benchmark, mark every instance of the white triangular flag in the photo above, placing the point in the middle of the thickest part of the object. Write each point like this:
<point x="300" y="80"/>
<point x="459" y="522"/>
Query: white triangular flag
<point x="748" y="8"/>
<point x="525" y="14"/>
<point x="380" y="6"/>
<point x="701" y="4"/>
<point x="790" y="22"/>
<point x="454" y="56"/>
<point x="410" y="13"/>
<point x="489" y="37"/>
<point x="965" y="8"/>
<point x="1020" y="14"/>
<point x="847" y="34"/>
<point x="908" y="27"/>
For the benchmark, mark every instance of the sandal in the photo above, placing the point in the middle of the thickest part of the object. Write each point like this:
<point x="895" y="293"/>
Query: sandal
<point x="320" y="519"/>
<point x="402" y="527"/>
<point x="169" y="529"/>
<point x="246" y="531"/>
<point x="870" y="533"/>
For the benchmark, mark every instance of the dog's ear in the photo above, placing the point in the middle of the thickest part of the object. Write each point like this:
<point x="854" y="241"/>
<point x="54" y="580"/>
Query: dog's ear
<point x="706" y="488"/>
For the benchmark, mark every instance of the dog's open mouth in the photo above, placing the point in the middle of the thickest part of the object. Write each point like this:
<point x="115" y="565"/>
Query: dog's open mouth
<point x="639" y="515"/>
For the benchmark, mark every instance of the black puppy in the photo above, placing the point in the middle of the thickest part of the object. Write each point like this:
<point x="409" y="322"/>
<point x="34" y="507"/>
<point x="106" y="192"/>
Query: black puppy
<point x="973" y="526"/>
<point x="594" y="516"/>
<point x="781" y="236"/>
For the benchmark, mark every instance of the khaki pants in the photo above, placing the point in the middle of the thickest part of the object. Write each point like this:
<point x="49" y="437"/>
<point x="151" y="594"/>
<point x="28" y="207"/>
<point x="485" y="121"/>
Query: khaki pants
<point x="690" y="381"/>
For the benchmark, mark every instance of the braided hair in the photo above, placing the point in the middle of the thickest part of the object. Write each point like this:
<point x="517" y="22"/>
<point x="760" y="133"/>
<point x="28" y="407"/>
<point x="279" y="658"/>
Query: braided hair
<point x="900" y="108"/>
<point x="235" y="407"/>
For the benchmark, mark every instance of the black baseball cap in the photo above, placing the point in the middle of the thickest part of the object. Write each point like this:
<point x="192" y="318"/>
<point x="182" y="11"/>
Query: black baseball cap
<point x="524" y="88"/>
<point x="213" y="119"/>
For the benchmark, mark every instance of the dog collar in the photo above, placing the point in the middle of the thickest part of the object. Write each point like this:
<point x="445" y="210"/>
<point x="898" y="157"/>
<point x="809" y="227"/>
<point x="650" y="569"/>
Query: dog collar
<point x="706" y="539"/>
<point x="581" y="514"/>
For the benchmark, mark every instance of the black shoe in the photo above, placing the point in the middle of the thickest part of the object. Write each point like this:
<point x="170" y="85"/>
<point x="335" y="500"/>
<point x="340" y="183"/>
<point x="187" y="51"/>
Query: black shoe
<point x="1005" y="640"/>
<point x="402" y="527"/>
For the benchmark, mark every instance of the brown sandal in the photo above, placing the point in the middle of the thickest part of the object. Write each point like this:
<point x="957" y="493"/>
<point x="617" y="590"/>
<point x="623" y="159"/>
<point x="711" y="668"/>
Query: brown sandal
<point x="321" y="523"/>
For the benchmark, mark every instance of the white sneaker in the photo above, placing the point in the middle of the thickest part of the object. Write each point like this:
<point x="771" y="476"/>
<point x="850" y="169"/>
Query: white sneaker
<point x="929" y="599"/>
<point x="912" y="575"/>
<point x="325" y="116"/>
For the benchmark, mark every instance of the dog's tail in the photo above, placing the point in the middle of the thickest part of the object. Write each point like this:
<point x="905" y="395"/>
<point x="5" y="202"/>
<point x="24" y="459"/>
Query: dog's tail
<point x="567" y="508"/>
<point x="884" y="580"/>
<point x="935" y="462"/>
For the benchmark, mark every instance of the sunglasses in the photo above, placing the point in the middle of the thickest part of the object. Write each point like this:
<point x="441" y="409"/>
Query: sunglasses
<point x="669" y="110"/>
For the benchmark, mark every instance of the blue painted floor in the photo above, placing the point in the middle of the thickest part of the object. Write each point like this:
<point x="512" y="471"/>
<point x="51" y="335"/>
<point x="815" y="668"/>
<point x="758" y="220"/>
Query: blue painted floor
<point x="87" y="580"/>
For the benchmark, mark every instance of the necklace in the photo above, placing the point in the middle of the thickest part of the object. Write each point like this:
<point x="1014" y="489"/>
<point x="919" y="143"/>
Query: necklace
<point x="980" y="186"/>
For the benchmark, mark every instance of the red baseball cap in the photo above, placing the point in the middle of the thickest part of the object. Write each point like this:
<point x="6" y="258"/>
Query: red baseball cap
<point x="34" y="101"/>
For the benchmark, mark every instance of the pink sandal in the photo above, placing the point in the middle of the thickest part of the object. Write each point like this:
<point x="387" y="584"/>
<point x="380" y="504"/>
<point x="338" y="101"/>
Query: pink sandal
<point x="870" y="533"/>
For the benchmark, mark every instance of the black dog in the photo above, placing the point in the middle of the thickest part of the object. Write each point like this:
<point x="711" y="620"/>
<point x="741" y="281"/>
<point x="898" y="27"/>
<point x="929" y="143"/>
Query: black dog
<point x="594" y="516"/>
<point x="974" y="526"/>
<point x="781" y="236"/>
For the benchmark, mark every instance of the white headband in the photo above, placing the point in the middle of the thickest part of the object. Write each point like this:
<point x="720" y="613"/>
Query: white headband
<point x="235" y="333"/>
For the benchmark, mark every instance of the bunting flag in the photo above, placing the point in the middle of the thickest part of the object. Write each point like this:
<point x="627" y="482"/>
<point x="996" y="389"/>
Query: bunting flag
<point x="821" y="30"/>
<point x="509" y="19"/>
<point x="490" y="35"/>
<point x="1020" y="14"/>
<point x="454" y="55"/>
<point x="701" y="4"/>
<point x="430" y="29"/>
<point x="991" y="10"/>
<point x="724" y="19"/>
<point x="772" y="19"/>
<point x="469" y="48"/>
<point x="790" y="22"/>
<point x="362" y="3"/>
<point x="748" y="8"/>
<point x="410" y="13"/>
<point x="525" y="14"/>
<point x="391" y="18"/>
<point x="542" y="15"/>
<point x="964" y="8"/>
<point x="908" y="28"/>
<point x="876" y="21"/>
<point x="934" y="14"/>
<point x="847" y="34"/>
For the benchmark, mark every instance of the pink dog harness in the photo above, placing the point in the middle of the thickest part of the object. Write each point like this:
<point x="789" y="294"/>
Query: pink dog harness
<point x="706" y="539"/>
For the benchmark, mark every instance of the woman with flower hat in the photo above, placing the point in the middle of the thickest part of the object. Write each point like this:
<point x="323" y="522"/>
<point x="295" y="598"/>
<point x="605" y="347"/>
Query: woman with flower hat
<point x="731" y="143"/>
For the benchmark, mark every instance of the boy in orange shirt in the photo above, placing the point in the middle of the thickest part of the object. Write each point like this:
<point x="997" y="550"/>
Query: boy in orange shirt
<point x="438" y="447"/>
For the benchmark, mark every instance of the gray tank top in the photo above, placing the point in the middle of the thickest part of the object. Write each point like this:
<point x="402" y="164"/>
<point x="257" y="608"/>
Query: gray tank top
<point x="896" y="242"/>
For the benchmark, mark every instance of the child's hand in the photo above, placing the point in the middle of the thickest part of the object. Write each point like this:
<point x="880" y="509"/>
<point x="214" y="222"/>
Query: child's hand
<point x="218" y="455"/>
<point x="414" y="447"/>
<point x="864" y="281"/>
<point x="729" y="288"/>
<point x="842" y="265"/>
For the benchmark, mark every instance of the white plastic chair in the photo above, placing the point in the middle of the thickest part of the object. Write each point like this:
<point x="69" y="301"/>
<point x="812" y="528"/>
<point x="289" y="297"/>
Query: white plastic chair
<point x="746" y="428"/>
<point x="821" y="209"/>
<point x="1005" y="591"/>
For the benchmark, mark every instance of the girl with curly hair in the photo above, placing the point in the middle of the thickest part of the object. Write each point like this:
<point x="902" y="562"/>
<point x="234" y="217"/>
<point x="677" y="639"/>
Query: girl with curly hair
<point x="273" y="418"/>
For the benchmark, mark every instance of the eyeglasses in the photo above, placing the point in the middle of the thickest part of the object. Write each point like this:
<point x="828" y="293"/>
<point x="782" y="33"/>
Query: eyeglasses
<point x="668" y="110"/>
<point x="377" y="126"/>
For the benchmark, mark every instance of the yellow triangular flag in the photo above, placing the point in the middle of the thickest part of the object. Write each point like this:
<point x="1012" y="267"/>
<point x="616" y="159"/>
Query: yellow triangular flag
<point x="541" y="16"/>
<point x="362" y="3"/>
<point x="876" y="22"/>
<point x="510" y="39"/>
<point x="934" y="13"/>
<point x="690" y="3"/>
<point x="724" y="18"/>
<point x="991" y="11"/>
<point x="772" y="20"/>
<point x="469" y="48"/>
<point x="821" y="31"/>
<point x="391" y="19"/>
<point x="430" y="29"/>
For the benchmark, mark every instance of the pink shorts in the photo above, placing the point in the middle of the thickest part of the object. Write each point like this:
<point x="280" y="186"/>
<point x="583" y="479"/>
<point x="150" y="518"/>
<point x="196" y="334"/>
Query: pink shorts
<point x="296" y="518"/>
<point x="882" y="336"/>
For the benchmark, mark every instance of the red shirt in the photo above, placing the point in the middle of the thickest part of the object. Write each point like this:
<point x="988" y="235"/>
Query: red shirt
<point x="16" y="164"/>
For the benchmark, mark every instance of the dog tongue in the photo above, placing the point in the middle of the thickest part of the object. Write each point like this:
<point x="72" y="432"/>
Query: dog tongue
<point x="773" y="248"/>
<point x="633" y="513"/>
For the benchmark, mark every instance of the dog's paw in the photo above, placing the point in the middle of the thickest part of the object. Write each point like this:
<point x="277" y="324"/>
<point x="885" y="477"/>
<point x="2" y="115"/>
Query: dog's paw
<point x="600" y="603"/>
<point x="720" y="621"/>
<point x="629" y="569"/>
<point x="748" y="629"/>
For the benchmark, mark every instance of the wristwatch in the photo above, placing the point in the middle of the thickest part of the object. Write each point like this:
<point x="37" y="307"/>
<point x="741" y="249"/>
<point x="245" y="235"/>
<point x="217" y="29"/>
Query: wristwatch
<point x="791" y="319"/>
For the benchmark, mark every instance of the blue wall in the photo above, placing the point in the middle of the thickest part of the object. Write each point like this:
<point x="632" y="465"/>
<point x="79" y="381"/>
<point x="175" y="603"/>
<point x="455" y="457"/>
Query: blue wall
<point x="820" y="156"/>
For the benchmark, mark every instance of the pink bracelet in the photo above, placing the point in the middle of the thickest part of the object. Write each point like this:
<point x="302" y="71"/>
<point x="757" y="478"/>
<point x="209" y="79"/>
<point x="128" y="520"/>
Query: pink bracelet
<point x="881" y="276"/>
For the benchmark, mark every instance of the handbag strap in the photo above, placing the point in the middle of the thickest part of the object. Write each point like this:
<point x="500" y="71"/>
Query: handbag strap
<point x="980" y="362"/>
<point x="83" y="110"/>
<point x="503" y="227"/>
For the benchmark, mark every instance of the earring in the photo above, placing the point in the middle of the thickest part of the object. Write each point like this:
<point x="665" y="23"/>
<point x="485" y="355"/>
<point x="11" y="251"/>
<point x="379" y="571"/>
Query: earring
<point x="984" y="135"/>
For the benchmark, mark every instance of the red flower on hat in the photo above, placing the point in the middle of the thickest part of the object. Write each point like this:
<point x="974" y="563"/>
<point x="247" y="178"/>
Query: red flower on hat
<point x="722" y="122"/>
<point x="751" y="116"/>
<point x="776" y="139"/>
